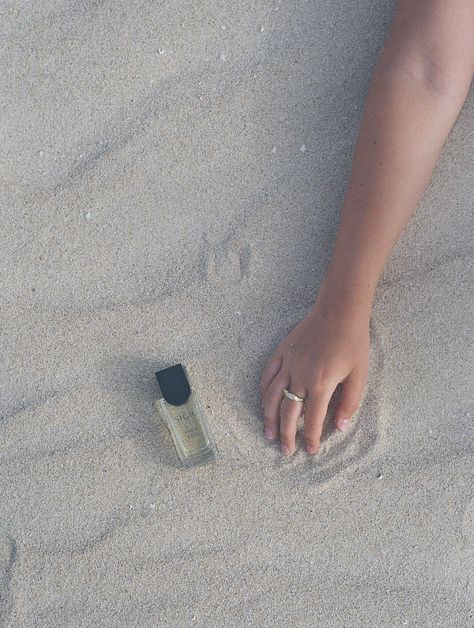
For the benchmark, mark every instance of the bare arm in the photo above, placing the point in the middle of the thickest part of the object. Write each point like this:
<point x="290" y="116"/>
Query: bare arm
<point x="422" y="78"/>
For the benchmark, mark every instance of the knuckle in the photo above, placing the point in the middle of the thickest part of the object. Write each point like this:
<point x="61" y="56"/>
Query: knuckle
<point x="310" y="422"/>
<point x="310" y="426"/>
<point x="312" y="435"/>
<point x="277" y="384"/>
<point x="319" y="383"/>
<point x="268" y="419"/>
<point x="275" y="360"/>
<point x="286" y="438"/>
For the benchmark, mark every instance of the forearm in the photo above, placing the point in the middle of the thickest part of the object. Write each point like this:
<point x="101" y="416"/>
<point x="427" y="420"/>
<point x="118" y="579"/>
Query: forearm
<point x="405" y="123"/>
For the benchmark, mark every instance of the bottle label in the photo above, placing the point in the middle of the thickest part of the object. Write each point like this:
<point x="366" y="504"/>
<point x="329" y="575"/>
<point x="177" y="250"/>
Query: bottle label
<point x="190" y="428"/>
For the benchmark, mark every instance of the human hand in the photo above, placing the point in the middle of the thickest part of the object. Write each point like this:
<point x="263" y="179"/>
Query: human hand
<point x="330" y="345"/>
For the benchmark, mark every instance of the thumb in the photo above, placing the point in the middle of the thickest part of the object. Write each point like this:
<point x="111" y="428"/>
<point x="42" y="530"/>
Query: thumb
<point x="352" y="389"/>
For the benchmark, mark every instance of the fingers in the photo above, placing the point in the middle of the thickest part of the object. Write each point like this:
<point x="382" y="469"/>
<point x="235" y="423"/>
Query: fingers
<point x="314" y="415"/>
<point x="352" y="390"/>
<point x="290" y="412"/>
<point x="281" y="414"/>
<point x="269" y="372"/>
<point x="272" y="399"/>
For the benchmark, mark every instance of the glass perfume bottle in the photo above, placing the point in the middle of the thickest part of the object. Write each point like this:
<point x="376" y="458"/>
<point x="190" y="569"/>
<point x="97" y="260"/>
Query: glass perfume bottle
<point x="181" y="408"/>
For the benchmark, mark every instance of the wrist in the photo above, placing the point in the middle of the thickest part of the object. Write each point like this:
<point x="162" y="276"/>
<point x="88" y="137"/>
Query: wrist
<point x="346" y="292"/>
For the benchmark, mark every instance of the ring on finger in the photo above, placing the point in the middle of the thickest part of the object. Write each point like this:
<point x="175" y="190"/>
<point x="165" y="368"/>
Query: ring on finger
<point x="292" y="396"/>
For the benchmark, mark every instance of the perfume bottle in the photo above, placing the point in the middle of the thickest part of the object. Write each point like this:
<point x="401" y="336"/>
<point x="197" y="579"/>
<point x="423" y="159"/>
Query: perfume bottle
<point x="182" y="410"/>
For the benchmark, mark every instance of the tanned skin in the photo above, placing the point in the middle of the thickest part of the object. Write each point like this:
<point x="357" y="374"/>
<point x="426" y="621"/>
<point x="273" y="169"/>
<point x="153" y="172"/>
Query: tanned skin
<point x="422" y="77"/>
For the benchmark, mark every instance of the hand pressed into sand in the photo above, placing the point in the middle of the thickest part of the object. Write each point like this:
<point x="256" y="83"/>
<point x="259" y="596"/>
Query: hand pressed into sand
<point x="417" y="92"/>
<point x="330" y="345"/>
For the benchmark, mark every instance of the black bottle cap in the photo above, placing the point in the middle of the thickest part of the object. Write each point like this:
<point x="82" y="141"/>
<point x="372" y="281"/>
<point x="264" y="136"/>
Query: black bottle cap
<point x="174" y="384"/>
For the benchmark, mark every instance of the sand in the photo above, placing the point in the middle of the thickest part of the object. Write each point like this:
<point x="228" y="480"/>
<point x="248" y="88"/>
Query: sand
<point x="171" y="180"/>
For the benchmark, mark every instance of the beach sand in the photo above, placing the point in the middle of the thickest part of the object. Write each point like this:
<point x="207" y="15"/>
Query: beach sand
<point x="171" y="180"/>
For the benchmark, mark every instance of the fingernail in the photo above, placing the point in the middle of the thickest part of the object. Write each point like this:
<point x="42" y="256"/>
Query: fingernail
<point x="344" y="425"/>
<point x="312" y="450"/>
<point x="285" y="450"/>
<point x="268" y="433"/>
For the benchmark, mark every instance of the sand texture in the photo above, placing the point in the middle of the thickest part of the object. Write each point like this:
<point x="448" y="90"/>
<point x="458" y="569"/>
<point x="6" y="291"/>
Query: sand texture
<point x="171" y="176"/>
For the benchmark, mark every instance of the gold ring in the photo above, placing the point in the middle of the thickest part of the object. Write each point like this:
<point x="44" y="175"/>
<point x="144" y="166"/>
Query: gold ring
<point x="291" y="395"/>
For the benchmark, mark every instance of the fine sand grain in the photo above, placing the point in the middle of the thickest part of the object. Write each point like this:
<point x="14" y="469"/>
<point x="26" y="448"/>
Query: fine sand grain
<point x="171" y="179"/>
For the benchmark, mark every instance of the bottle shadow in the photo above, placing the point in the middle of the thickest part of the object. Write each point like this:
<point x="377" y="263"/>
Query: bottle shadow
<point x="136" y="380"/>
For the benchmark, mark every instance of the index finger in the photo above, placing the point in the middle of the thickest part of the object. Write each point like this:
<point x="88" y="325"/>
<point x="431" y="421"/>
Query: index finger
<point x="270" y="371"/>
